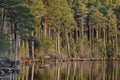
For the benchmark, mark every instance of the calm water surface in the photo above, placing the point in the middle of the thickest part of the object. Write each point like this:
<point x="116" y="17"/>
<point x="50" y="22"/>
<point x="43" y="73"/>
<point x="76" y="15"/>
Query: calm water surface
<point x="84" y="70"/>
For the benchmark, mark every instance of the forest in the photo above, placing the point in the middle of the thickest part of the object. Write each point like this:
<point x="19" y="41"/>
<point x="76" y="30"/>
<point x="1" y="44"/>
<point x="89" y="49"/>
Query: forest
<point x="84" y="29"/>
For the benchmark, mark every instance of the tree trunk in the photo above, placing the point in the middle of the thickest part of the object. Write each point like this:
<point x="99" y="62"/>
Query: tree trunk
<point x="74" y="50"/>
<point x="104" y="42"/>
<point x="49" y="32"/>
<point x="90" y="40"/>
<point x="23" y="45"/>
<point x="82" y="36"/>
<point x="76" y="35"/>
<point x="11" y="38"/>
<point x="16" y="40"/>
<point x="92" y="37"/>
<point x="116" y="40"/>
<point x="3" y="20"/>
<point x="27" y="48"/>
<point x="97" y="37"/>
<point x="19" y="45"/>
<point x="113" y="47"/>
<point x="45" y="29"/>
<point x="68" y="45"/>
<point x="58" y="41"/>
<point x="32" y="44"/>
<point x="108" y="34"/>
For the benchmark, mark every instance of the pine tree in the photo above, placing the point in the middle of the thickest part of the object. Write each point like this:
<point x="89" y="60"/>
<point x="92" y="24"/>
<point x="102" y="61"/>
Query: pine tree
<point x="112" y="32"/>
<point x="96" y="23"/>
<point x="80" y="12"/>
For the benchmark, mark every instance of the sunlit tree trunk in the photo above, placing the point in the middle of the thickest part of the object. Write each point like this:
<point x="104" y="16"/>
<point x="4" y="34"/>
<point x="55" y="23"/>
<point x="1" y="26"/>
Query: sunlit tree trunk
<point x="116" y="40"/>
<point x="49" y="32"/>
<point x="68" y="45"/>
<point x="82" y="35"/>
<point x="76" y="35"/>
<point x="32" y="46"/>
<point x="23" y="47"/>
<point x="27" y="48"/>
<point x="90" y="40"/>
<point x="58" y="41"/>
<point x="97" y="37"/>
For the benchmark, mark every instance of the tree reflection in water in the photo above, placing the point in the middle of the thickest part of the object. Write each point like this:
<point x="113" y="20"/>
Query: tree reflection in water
<point x="84" y="70"/>
<point x="7" y="73"/>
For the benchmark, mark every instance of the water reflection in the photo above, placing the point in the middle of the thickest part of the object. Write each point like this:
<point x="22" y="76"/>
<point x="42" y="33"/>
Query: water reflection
<point x="9" y="73"/>
<point x="87" y="70"/>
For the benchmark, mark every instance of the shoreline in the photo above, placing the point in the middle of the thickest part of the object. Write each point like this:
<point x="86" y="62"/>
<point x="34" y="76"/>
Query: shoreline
<point x="49" y="60"/>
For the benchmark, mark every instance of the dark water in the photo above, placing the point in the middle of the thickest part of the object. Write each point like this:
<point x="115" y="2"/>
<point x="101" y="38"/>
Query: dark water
<point x="85" y="70"/>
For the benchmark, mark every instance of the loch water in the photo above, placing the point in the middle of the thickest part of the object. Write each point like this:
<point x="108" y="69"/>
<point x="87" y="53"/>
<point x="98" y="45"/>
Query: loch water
<point x="80" y="70"/>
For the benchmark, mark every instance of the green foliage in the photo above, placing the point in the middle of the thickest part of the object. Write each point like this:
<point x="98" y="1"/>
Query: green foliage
<point x="43" y="42"/>
<point x="43" y="46"/>
<point x="80" y="12"/>
<point x="4" y="43"/>
<point x="117" y="12"/>
<point x="9" y="3"/>
<point x="96" y="18"/>
<point x="22" y="16"/>
<point x="65" y="20"/>
<point x="19" y="14"/>
<point x="38" y="10"/>
<point x="110" y="49"/>
<point x="60" y="16"/>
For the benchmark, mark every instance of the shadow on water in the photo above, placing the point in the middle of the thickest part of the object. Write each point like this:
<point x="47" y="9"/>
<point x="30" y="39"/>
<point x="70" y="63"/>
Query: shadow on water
<point x="84" y="70"/>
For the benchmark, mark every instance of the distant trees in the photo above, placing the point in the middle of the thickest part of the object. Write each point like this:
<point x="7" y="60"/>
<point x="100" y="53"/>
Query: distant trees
<point x="19" y="20"/>
<point x="82" y="28"/>
<point x="80" y="14"/>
